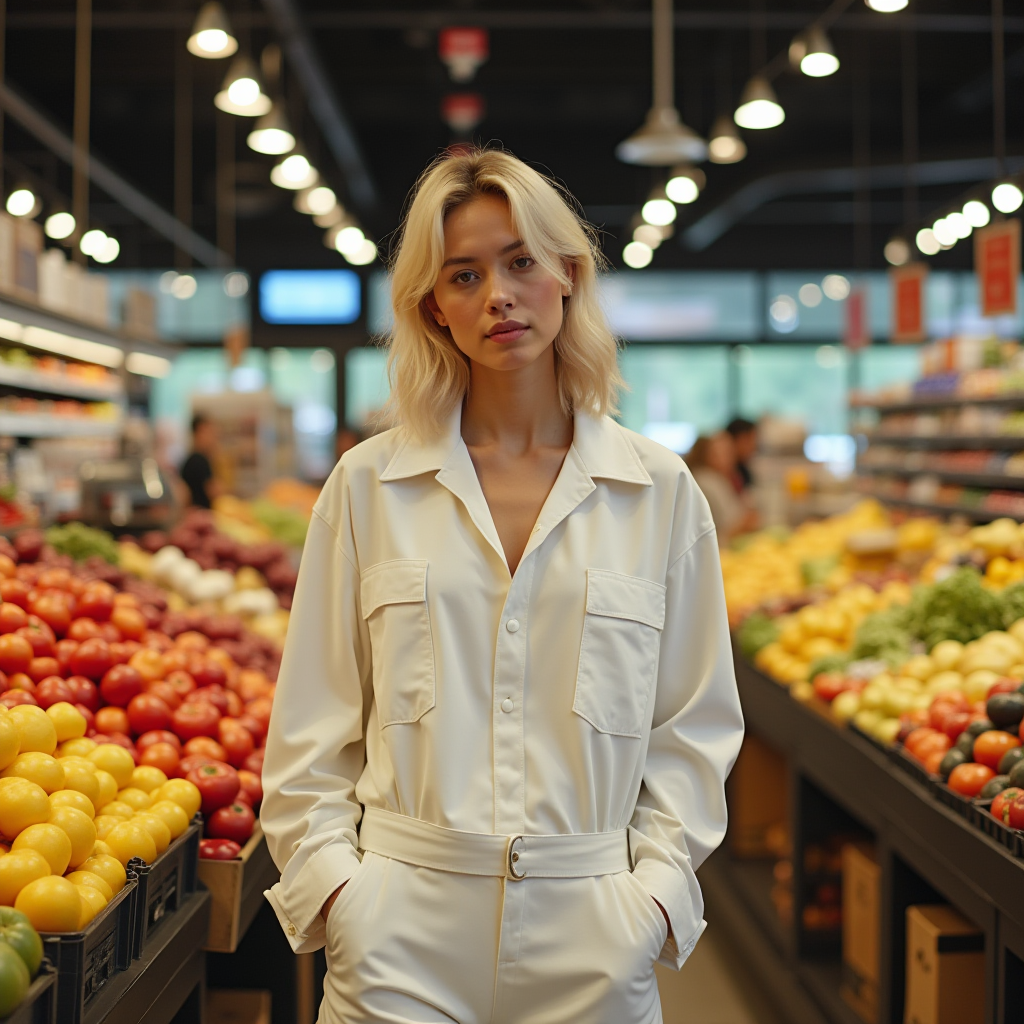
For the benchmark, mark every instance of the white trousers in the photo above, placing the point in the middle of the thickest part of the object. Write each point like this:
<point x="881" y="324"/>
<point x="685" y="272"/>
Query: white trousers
<point x="417" y="945"/>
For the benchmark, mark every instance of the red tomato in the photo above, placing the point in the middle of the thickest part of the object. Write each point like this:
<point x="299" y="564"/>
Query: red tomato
<point x="153" y="638"/>
<point x="235" y="821"/>
<point x="1004" y="685"/>
<point x="112" y="635"/>
<point x="191" y="640"/>
<point x="218" y="786"/>
<point x="209" y="672"/>
<point x="120" y="684"/>
<point x="15" y="591"/>
<point x="90" y="718"/>
<point x="941" y="707"/>
<point x="54" y="690"/>
<point x="92" y="659"/>
<point x="260" y="709"/>
<point x="131" y="623"/>
<point x="236" y="740"/>
<point x="955" y="722"/>
<point x="57" y="579"/>
<point x="13" y="697"/>
<point x="932" y="761"/>
<point x="12" y="617"/>
<point x="828" y="685"/>
<point x="85" y="691"/>
<point x="63" y="651"/>
<point x="215" y="695"/>
<point x="7" y="566"/>
<point x="165" y="692"/>
<point x="96" y="601"/>
<point x="54" y="609"/>
<point x="147" y="739"/>
<point x="84" y="629"/>
<point x="990" y="746"/>
<point x="195" y="718"/>
<point x="163" y="756"/>
<point x="21" y="681"/>
<point x="193" y="761"/>
<point x="1014" y="811"/>
<point x="205" y="746"/>
<point x="254" y="762"/>
<point x="40" y="668"/>
<point x="112" y="720"/>
<point x="149" y="664"/>
<point x="1001" y="804"/>
<point x="256" y="728"/>
<point x="15" y="653"/>
<point x="219" y="849"/>
<point x="251" y="786"/>
<point x="252" y="684"/>
<point x="181" y="681"/>
<point x="40" y="636"/>
<point x="969" y="779"/>
<point x="147" y="712"/>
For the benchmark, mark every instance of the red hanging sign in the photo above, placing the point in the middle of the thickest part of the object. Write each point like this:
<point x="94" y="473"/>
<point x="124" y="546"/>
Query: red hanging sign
<point x="857" y="333"/>
<point x="908" y="302"/>
<point x="997" y="264"/>
<point x="463" y="50"/>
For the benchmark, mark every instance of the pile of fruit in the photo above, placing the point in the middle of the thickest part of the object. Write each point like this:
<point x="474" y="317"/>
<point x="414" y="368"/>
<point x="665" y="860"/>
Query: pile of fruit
<point x="21" y="953"/>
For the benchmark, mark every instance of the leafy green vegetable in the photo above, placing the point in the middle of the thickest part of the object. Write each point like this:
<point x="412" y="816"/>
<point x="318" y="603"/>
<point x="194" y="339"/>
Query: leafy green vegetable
<point x="286" y="524"/>
<point x="1013" y="604"/>
<point x="756" y="632"/>
<point x="956" y="608"/>
<point x="828" y="663"/>
<point x="81" y="541"/>
<point x="883" y="635"/>
<point x="816" y="570"/>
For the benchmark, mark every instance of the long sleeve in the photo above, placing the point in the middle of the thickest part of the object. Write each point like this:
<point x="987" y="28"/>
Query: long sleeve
<point x="315" y="748"/>
<point x="696" y="733"/>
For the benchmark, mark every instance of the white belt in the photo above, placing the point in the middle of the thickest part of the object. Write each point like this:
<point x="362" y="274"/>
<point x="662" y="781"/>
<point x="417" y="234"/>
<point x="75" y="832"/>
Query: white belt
<point x="479" y="853"/>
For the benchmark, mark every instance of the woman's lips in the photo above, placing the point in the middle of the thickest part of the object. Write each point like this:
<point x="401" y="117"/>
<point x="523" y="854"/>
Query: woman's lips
<point x="507" y="331"/>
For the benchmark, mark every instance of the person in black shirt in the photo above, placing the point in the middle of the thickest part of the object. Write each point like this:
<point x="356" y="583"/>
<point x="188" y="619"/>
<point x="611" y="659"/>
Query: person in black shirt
<point x="744" y="437"/>
<point x="196" y="471"/>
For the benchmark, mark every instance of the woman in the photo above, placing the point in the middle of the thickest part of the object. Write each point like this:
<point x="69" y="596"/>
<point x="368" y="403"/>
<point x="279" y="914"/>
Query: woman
<point x="712" y="460"/>
<point x="508" y="678"/>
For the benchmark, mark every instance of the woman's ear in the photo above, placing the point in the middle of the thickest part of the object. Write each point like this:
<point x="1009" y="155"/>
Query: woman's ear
<point x="435" y="309"/>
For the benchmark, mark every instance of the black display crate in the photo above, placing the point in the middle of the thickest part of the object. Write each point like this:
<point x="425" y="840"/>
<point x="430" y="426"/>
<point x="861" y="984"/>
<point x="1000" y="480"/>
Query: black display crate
<point x="40" y="1003"/>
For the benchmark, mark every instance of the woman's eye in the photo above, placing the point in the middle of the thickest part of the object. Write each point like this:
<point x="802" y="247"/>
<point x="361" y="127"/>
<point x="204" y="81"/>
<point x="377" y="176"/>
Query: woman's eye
<point x="464" y="278"/>
<point x="522" y="262"/>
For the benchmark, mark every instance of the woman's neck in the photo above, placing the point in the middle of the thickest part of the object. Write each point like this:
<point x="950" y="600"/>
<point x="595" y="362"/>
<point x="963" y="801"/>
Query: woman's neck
<point x="516" y="409"/>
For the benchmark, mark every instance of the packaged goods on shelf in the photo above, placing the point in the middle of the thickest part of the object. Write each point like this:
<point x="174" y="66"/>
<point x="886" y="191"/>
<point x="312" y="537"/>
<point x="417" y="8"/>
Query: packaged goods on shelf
<point x="862" y="899"/>
<point x="945" y="968"/>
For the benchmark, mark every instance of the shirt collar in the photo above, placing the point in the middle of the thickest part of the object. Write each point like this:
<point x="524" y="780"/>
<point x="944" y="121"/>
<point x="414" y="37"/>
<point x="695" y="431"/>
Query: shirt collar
<point x="600" y="442"/>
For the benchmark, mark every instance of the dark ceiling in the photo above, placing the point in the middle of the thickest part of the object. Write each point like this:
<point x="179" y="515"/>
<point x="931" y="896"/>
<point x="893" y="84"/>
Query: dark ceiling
<point x="564" y="84"/>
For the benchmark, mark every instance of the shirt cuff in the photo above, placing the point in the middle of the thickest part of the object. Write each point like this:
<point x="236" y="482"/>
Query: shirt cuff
<point x="668" y="886"/>
<point x="299" y="900"/>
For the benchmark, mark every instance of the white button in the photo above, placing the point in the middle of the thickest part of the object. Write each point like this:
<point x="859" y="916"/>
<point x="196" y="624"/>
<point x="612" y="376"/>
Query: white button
<point x="512" y="625"/>
<point x="507" y="705"/>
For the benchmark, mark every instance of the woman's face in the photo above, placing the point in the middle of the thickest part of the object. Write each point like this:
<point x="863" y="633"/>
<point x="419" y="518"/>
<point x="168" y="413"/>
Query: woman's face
<point x="503" y="309"/>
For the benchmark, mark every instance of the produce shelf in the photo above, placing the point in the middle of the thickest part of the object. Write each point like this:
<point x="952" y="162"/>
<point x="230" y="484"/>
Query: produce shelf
<point x="18" y="425"/>
<point x="950" y="442"/>
<point x="58" y="384"/>
<point x="989" y="481"/>
<point x="1010" y="399"/>
<point x="975" y="512"/>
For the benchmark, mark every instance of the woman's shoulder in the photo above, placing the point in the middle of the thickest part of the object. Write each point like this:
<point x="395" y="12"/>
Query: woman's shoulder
<point x="360" y="464"/>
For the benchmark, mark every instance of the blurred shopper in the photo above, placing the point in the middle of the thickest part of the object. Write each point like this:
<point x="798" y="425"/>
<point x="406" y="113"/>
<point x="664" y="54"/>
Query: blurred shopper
<point x="507" y="707"/>
<point x="197" y="470"/>
<point x="744" y="438"/>
<point x="712" y="460"/>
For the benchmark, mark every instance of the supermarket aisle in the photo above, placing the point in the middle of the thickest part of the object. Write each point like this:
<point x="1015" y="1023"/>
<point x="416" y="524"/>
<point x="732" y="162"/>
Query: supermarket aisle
<point x="712" y="988"/>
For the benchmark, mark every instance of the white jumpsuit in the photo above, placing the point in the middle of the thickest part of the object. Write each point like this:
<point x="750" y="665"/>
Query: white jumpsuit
<point x="591" y="692"/>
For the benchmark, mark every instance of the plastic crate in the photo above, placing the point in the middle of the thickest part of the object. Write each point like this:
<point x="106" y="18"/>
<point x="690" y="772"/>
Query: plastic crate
<point x="963" y="805"/>
<point x="166" y="883"/>
<point x="88" y="959"/>
<point x="906" y="763"/>
<point x="40" y="1003"/>
<point x="1011" y="838"/>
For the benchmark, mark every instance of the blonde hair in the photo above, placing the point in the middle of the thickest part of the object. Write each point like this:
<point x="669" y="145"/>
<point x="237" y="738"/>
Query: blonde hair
<point x="429" y="376"/>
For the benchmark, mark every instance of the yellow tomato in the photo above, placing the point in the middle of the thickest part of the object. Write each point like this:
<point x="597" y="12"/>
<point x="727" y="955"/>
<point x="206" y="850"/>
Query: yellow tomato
<point x="147" y="778"/>
<point x="10" y="741"/>
<point x="119" y="809"/>
<point x="101" y="848"/>
<point x="109" y="868"/>
<point x="49" y="840"/>
<point x="182" y="792"/>
<point x="108" y="788"/>
<point x="35" y="730"/>
<point x="79" y="828"/>
<point x="22" y="803"/>
<point x="155" y="826"/>
<point x="72" y="798"/>
<point x="92" y="902"/>
<point x="82" y="780"/>
<point x="80" y="747"/>
<point x="92" y="880"/>
<point x="172" y="815"/>
<point x="42" y="769"/>
<point x="114" y="759"/>
<point x="136" y="799"/>
<point x="104" y="823"/>
<point x="129" y="840"/>
<point x="17" y="870"/>
<point x="51" y="904"/>
<point x="69" y="722"/>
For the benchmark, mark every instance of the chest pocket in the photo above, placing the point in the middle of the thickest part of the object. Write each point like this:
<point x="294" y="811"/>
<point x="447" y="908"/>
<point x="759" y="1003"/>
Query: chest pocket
<point x="394" y="601"/>
<point x="619" y="651"/>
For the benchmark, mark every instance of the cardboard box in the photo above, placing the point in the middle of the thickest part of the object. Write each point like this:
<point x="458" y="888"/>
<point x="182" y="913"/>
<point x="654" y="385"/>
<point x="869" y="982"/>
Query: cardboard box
<point x="861" y="925"/>
<point x="945" y="968"/>
<point x="758" y="794"/>
<point x="237" y="1006"/>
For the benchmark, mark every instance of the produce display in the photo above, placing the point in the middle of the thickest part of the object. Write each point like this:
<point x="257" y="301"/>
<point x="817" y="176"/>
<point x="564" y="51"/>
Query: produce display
<point x="21" y="953"/>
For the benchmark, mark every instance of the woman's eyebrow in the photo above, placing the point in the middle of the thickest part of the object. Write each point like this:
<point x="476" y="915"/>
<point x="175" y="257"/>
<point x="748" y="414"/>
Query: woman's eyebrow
<point x="511" y="247"/>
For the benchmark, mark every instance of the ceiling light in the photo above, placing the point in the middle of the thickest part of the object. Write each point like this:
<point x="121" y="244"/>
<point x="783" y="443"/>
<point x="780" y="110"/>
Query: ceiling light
<point x="294" y="171"/>
<point x="349" y="240"/>
<point x="960" y="224"/>
<point x="725" y="146"/>
<point x="317" y="200"/>
<point x="648" y="234"/>
<point x="886" y="6"/>
<point x="23" y="202"/>
<point x="684" y="184"/>
<point x="235" y="284"/>
<point x="659" y="209"/>
<point x="835" y="287"/>
<point x="184" y="286"/>
<point x="927" y="242"/>
<point x="637" y="255"/>
<point x="759" y="107"/>
<point x="211" y="33"/>
<point x="335" y="215"/>
<point x="241" y="92"/>
<point x="810" y="295"/>
<point x="945" y="233"/>
<point x="272" y="134"/>
<point x="93" y="241"/>
<point x="365" y="253"/>
<point x="59" y="225"/>
<point x="662" y="140"/>
<point x="108" y="251"/>
<point x="1006" y="198"/>
<point x="812" y="53"/>
<point x="784" y="314"/>
<point x="976" y="213"/>
<point x="897" y="251"/>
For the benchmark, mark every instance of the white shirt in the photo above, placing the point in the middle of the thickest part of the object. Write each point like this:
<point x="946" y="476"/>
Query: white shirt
<point x="591" y="691"/>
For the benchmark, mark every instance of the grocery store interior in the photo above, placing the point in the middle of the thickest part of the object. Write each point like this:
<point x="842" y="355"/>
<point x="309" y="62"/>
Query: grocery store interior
<point x="811" y="216"/>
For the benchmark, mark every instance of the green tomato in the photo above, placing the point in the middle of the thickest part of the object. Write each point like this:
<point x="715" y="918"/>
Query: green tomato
<point x="14" y="979"/>
<point x="18" y="933"/>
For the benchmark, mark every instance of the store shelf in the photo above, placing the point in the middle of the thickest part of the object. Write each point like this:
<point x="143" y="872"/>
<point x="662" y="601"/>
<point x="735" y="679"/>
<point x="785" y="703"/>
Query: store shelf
<point x="1013" y="399"/>
<point x="59" y="384"/>
<point x="23" y="425"/>
<point x="974" y="512"/>
<point x="949" y="442"/>
<point x="985" y="481"/>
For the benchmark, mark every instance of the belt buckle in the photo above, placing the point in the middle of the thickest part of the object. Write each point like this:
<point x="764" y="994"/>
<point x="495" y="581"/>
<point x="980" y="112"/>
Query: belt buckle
<point x="511" y="859"/>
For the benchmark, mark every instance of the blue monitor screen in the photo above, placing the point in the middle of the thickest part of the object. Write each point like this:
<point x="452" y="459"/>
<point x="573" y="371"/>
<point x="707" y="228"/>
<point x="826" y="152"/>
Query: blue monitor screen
<point x="309" y="296"/>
